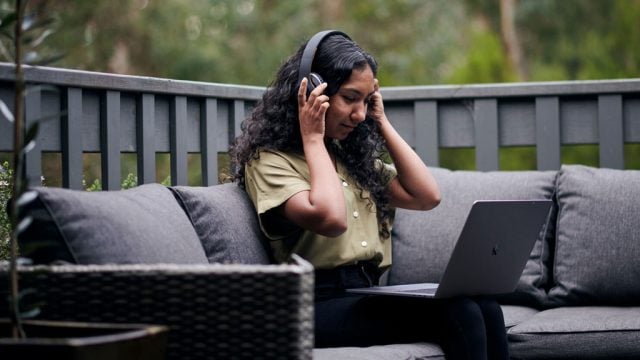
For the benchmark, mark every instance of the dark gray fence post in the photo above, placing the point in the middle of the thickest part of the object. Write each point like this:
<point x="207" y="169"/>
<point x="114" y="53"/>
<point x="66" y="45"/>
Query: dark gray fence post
<point x="426" y="131"/>
<point x="485" y="117"/>
<point x="178" y="132"/>
<point x="146" y="135"/>
<point x="110" y="140"/>
<point x="33" y="114"/>
<point x="548" y="133"/>
<point x="610" y="131"/>
<point x="208" y="141"/>
<point x="72" y="139"/>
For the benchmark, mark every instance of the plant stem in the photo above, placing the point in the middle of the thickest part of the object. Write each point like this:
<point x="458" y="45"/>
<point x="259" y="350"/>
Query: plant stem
<point x="18" y="156"/>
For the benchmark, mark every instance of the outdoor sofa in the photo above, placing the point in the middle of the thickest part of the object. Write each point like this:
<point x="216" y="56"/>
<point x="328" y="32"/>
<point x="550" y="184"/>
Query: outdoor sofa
<point x="217" y="289"/>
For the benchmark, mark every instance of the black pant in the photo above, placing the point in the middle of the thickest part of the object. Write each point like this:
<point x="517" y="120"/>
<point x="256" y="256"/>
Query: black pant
<point x="465" y="328"/>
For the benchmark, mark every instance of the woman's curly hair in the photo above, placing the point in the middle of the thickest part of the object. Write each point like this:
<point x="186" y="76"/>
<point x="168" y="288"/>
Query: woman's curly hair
<point x="273" y="123"/>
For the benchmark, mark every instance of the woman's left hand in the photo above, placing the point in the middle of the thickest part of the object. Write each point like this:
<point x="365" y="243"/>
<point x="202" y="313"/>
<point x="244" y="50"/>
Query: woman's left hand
<point x="376" y="106"/>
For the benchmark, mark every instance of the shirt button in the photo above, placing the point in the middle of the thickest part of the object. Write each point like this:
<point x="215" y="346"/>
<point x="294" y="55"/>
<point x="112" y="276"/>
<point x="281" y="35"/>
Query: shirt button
<point x="356" y="214"/>
<point x="364" y="244"/>
<point x="345" y="184"/>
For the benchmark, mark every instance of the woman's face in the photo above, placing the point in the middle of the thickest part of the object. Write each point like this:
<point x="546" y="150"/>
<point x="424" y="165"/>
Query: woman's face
<point x="348" y="107"/>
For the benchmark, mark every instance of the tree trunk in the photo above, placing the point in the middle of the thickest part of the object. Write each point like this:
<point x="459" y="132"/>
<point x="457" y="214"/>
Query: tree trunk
<point x="511" y="40"/>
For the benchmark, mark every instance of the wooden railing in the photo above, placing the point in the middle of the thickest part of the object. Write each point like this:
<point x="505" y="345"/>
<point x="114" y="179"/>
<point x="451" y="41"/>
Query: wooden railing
<point x="114" y="114"/>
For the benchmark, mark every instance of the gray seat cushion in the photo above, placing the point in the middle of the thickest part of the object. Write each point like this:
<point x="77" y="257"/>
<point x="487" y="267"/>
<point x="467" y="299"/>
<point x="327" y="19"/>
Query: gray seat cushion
<point x="578" y="333"/>
<point x="598" y="240"/>
<point x="415" y="351"/>
<point x="424" y="240"/>
<point x="142" y="225"/>
<point x="226" y="222"/>
<point x="516" y="314"/>
<point x="513" y="315"/>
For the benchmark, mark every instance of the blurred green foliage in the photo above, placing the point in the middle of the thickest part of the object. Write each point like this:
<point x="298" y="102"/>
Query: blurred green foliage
<point x="416" y="42"/>
<point x="6" y="181"/>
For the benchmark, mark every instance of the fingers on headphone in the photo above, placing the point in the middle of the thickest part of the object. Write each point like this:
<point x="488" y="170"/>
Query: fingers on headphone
<point x="302" y="92"/>
<point x="318" y="90"/>
<point x="321" y="103"/>
<point x="316" y="97"/>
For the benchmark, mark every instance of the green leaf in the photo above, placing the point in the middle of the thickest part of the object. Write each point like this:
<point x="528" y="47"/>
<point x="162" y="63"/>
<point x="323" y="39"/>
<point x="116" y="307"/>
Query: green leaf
<point x="37" y="41"/>
<point x="5" y="53"/>
<point x="8" y="20"/>
<point x="32" y="308"/>
<point x="7" y="34"/>
<point x="26" y="198"/>
<point x="25" y="292"/>
<point x="30" y="314"/>
<point x="4" y="109"/>
<point x="24" y="224"/>
<point x="28" y="147"/>
<point x="27" y="21"/>
<point x="30" y="57"/>
<point x="32" y="132"/>
<point x="39" y="24"/>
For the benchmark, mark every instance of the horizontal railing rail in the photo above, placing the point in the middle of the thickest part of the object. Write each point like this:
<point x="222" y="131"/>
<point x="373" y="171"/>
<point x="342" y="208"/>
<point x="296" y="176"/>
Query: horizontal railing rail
<point x="114" y="114"/>
<point x="544" y="115"/>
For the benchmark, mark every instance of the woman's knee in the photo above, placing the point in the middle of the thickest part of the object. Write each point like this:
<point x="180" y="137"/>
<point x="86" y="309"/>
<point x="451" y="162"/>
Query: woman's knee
<point x="463" y="308"/>
<point x="490" y="309"/>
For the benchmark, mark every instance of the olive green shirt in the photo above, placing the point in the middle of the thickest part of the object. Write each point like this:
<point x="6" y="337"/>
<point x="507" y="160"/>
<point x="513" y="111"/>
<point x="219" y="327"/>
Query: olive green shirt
<point x="275" y="176"/>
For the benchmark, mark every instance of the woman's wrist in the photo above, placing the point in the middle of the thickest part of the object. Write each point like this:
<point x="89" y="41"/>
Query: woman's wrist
<point x="384" y="125"/>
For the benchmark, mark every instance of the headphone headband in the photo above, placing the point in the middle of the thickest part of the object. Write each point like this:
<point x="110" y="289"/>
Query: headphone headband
<point x="310" y="51"/>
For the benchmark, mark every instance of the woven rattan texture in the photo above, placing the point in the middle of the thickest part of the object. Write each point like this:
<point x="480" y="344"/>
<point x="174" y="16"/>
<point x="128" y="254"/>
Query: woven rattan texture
<point x="217" y="312"/>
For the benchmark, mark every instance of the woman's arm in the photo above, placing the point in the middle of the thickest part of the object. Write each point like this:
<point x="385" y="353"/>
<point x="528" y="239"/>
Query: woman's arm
<point x="321" y="209"/>
<point x="414" y="187"/>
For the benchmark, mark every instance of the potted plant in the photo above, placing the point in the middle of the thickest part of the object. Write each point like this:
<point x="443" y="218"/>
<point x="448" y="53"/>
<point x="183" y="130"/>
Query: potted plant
<point x="30" y="339"/>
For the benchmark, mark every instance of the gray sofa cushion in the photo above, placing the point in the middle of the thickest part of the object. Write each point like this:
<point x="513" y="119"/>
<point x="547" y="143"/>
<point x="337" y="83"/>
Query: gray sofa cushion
<point x="140" y="225"/>
<point x="578" y="333"/>
<point x="515" y="314"/>
<point x="424" y="240"/>
<point x="225" y="220"/>
<point x="597" y="242"/>
<point x="415" y="351"/>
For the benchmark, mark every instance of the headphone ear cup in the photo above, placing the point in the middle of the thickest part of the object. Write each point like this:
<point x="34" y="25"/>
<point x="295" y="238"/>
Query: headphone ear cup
<point x="314" y="81"/>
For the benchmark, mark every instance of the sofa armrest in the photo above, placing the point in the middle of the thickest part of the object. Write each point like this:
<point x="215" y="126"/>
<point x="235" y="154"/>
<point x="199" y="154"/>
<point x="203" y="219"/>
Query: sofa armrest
<point x="213" y="311"/>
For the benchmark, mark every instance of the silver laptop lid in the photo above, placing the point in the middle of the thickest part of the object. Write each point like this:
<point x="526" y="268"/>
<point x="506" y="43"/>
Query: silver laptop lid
<point x="493" y="247"/>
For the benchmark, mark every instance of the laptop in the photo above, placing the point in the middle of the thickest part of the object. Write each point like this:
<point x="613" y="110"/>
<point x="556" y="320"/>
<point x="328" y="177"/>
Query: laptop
<point x="490" y="254"/>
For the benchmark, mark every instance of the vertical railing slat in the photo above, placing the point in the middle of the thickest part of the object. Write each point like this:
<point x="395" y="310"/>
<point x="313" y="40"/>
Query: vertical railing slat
<point x="33" y="114"/>
<point x="208" y="141"/>
<point x="610" y="130"/>
<point x="486" y="134"/>
<point x="237" y="118"/>
<point x="548" y="133"/>
<point x="146" y="134"/>
<point x="426" y="131"/>
<point x="110" y="140"/>
<point x="178" y="129"/>
<point x="72" y="145"/>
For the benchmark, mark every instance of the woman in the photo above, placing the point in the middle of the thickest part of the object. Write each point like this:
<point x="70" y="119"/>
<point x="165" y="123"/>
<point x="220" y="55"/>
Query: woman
<point x="311" y="164"/>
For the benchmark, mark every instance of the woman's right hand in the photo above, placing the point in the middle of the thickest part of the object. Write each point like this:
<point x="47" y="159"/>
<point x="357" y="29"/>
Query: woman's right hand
<point x="312" y="111"/>
<point x="320" y="209"/>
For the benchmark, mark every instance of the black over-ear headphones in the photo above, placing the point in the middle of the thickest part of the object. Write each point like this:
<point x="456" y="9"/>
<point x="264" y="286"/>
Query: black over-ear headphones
<point x="307" y="59"/>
